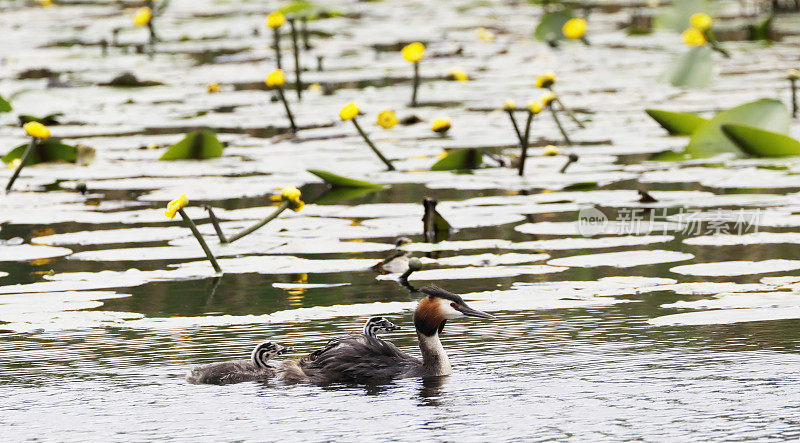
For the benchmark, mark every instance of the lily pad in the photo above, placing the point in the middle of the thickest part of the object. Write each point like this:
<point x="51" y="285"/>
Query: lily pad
<point x="459" y="159"/>
<point x="196" y="145"/>
<point x="761" y="143"/>
<point x="551" y="25"/>
<point x="50" y="150"/>
<point x="338" y="181"/>
<point x="5" y="106"/>
<point x="693" y="69"/>
<point x="676" y="123"/>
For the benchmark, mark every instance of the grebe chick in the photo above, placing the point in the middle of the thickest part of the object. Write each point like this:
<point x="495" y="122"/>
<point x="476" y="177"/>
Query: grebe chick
<point x="364" y="359"/>
<point x="397" y="260"/>
<point x="378" y="325"/>
<point x="230" y="372"/>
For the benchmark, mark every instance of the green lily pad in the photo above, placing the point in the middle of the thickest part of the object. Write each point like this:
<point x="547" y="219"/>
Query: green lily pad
<point x="50" y="150"/>
<point x="310" y="10"/>
<point x="761" y="29"/>
<point x="196" y="145"/>
<point x="676" y="123"/>
<point x="337" y="195"/>
<point x="767" y="114"/>
<point x="459" y="159"/>
<point x="693" y="69"/>
<point x="761" y="143"/>
<point x="47" y="120"/>
<point x="677" y="16"/>
<point x="338" y="181"/>
<point x="5" y="106"/>
<point x="549" y="27"/>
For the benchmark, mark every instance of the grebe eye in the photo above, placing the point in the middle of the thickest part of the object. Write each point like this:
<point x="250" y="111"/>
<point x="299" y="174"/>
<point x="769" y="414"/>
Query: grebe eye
<point x="452" y="305"/>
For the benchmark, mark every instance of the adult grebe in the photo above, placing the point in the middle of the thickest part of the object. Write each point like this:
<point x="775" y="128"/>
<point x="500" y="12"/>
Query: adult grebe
<point x="229" y="372"/>
<point x="364" y="359"/>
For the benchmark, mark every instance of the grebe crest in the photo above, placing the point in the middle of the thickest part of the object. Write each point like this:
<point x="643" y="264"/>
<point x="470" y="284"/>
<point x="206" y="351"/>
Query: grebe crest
<point x="266" y="351"/>
<point x="379" y="325"/>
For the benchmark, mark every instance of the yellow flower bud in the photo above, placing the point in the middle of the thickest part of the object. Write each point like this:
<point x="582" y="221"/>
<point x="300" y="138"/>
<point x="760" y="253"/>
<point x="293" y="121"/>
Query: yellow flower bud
<point x="458" y="74"/>
<point x="143" y="16"/>
<point x="292" y="195"/>
<point x="551" y="150"/>
<point x="275" y="19"/>
<point x="413" y="52"/>
<point x="387" y="119"/>
<point x="441" y="125"/>
<point x="792" y="74"/>
<point x="275" y="79"/>
<point x="315" y="88"/>
<point x="509" y="105"/>
<point x="349" y="112"/>
<point x="693" y="37"/>
<point x="546" y="80"/>
<point x="36" y="129"/>
<point x="701" y="21"/>
<point x="175" y="205"/>
<point x="534" y="106"/>
<point x="547" y="98"/>
<point x="46" y="3"/>
<point x="574" y="28"/>
<point x="212" y="88"/>
<point x="14" y="164"/>
<point x="484" y="34"/>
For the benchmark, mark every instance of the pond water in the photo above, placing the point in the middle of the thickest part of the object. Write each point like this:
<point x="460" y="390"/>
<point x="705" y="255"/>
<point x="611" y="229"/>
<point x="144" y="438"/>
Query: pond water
<point x="659" y="326"/>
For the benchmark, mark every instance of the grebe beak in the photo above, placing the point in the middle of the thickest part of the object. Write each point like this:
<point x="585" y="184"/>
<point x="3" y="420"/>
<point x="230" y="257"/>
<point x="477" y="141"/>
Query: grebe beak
<point x="466" y="310"/>
<point x="393" y="328"/>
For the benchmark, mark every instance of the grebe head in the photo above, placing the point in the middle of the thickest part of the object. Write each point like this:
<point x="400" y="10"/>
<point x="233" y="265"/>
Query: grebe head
<point x="267" y="350"/>
<point x="402" y="241"/>
<point x="437" y="307"/>
<point x="378" y="325"/>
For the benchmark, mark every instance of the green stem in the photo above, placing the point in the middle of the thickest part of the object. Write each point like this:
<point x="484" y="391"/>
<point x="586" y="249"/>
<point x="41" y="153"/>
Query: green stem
<point x="296" y="50"/>
<point x="570" y="113"/>
<point x="276" y="37"/>
<point x="372" y="146"/>
<point x="200" y="240"/>
<point x="558" y="123"/>
<point x="258" y="225"/>
<point x="21" y="165"/>
<point x="514" y="124"/>
<point x="215" y="223"/>
<point x="416" y="85"/>
<point x="526" y="138"/>
<point x="288" y="111"/>
<point x="304" y="28"/>
<point x="794" y="98"/>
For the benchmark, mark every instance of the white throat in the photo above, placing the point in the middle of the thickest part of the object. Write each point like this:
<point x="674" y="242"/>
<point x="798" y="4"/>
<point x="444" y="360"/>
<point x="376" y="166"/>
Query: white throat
<point x="433" y="356"/>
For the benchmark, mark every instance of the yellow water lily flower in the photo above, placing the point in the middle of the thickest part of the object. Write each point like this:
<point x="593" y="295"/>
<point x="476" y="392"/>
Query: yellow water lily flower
<point x="547" y="98"/>
<point x="693" y="37"/>
<point x="413" y="52"/>
<point x="546" y="80"/>
<point x="387" y="119"/>
<point x="14" y="164"/>
<point x="484" y="34"/>
<point x="275" y="19"/>
<point x="792" y="74"/>
<point x="441" y="125"/>
<point x="349" y="112"/>
<point x="275" y="79"/>
<point x="458" y="74"/>
<point x="292" y="195"/>
<point x="534" y="106"/>
<point x="37" y="130"/>
<point x="46" y="3"/>
<point x="315" y="88"/>
<point x="574" y="28"/>
<point x="212" y="88"/>
<point x="143" y="16"/>
<point x="551" y="150"/>
<point x="176" y="205"/>
<point x="509" y="105"/>
<point x="701" y="21"/>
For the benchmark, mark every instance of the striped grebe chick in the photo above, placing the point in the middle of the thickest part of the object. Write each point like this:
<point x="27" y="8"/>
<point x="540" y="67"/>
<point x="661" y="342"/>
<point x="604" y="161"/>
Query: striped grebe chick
<point x="378" y="325"/>
<point x="397" y="261"/>
<point x="230" y="372"/>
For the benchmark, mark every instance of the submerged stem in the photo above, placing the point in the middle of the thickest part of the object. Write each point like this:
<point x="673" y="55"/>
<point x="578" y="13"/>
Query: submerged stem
<point x="21" y="165"/>
<point x="296" y="50"/>
<point x="200" y="240"/>
<point x="258" y="225"/>
<point x="288" y="111"/>
<point x="372" y="146"/>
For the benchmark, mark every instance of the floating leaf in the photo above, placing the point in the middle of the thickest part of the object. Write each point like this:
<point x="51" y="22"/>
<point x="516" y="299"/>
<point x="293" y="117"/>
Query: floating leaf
<point x="196" y="145"/>
<point x="549" y="27"/>
<point x="342" y="194"/>
<point x="50" y="150"/>
<point x="760" y="143"/>
<point x="5" y="106"/>
<point x="693" y="69"/>
<point x="338" y="181"/>
<point x="310" y="10"/>
<point x="47" y="120"/>
<point x="768" y="114"/>
<point x="761" y="29"/>
<point x="459" y="159"/>
<point x="677" y="16"/>
<point x="676" y="123"/>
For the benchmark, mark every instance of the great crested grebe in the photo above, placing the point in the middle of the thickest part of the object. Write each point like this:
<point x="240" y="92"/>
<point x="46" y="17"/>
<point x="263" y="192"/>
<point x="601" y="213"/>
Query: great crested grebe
<point x="230" y="372"/>
<point x="364" y="359"/>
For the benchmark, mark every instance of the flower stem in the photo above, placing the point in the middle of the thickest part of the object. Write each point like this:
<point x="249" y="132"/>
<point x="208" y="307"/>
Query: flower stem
<point x="288" y="111"/>
<point x="276" y="37"/>
<point x="570" y="160"/>
<point x="526" y="138"/>
<point x="200" y="240"/>
<point x="258" y="225"/>
<point x="372" y="146"/>
<point x="570" y="113"/>
<point x="794" y="98"/>
<point x="215" y="222"/>
<point x="558" y="123"/>
<point x="514" y="124"/>
<point x="296" y="50"/>
<point x="304" y="32"/>
<point x="21" y="165"/>
<point x="416" y="85"/>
